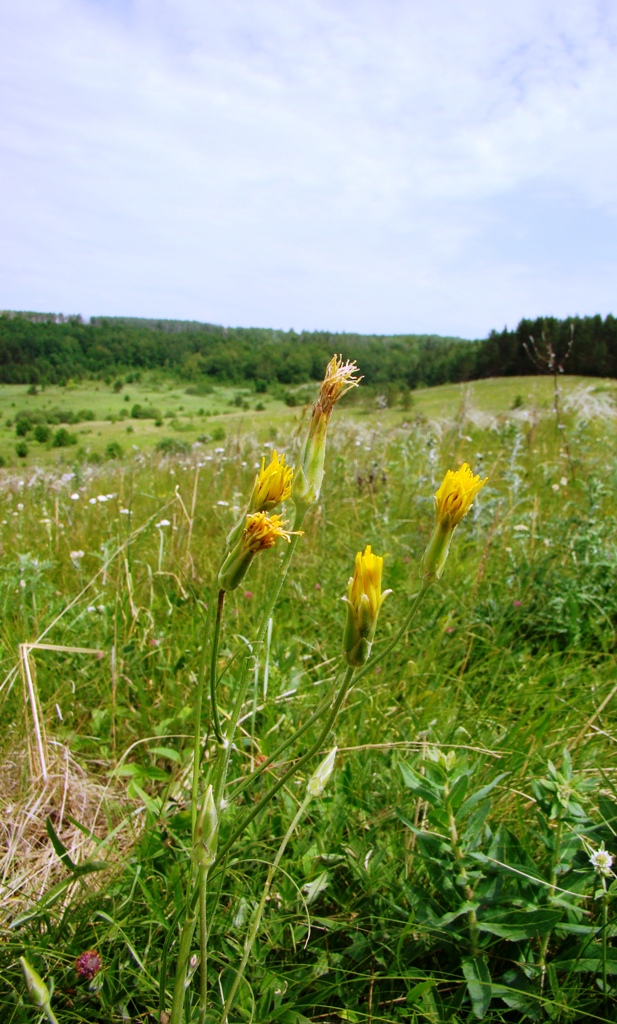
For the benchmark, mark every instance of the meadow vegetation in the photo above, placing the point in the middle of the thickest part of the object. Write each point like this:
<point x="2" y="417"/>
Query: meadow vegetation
<point x="449" y="871"/>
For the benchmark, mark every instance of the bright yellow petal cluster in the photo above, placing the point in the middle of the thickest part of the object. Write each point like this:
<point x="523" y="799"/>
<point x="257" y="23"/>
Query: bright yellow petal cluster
<point x="262" y="531"/>
<point x="366" y="581"/>
<point x="364" y="599"/>
<point x="454" y="497"/>
<point x="338" y="380"/>
<point x="272" y="484"/>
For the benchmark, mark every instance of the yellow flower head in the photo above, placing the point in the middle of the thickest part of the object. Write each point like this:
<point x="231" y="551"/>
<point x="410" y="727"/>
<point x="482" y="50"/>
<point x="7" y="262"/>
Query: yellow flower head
<point x="364" y="599"/>
<point x="272" y="484"/>
<point x="452" y="501"/>
<point x="338" y="380"/>
<point x="454" y="497"/>
<point x="262" y="531"/>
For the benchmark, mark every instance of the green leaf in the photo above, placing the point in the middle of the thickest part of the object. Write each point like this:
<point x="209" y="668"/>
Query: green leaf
<point x="312" y="889"/>
<point x="168" y="752"/>
<point x="478" y="984"/>
<point x="420" y="989"/>
<point x="59" y="846"/>
<point x="419" y="785"/>
<point x="521" y="924"/>
<point x="479" y="795"/>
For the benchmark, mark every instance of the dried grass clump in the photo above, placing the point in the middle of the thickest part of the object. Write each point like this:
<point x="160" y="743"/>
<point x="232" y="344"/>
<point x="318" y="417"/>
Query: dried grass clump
<point x="29" y="865"/>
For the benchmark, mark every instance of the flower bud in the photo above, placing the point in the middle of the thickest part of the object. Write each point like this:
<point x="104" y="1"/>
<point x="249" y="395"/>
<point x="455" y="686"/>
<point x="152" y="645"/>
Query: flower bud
<point x="452" y="501"/>
<point x="206" y="833"/>
<point x="37" y="989"/>
<point x="364" y="599"/>
<point x="319" y="779"/>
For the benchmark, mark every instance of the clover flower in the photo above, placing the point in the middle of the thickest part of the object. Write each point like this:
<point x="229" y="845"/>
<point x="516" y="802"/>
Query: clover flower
<point x="602" y="862"/>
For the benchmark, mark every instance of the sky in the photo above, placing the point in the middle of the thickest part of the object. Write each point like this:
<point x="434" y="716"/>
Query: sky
<point x="375" y="166"/>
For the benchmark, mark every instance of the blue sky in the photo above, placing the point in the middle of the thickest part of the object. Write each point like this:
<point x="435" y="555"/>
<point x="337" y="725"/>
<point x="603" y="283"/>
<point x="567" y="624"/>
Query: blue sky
<point x="374" y="166"/>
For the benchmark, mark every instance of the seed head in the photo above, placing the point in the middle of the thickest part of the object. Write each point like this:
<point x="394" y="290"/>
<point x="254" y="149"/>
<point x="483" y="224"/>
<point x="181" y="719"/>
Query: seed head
<point x="338" y="380"/>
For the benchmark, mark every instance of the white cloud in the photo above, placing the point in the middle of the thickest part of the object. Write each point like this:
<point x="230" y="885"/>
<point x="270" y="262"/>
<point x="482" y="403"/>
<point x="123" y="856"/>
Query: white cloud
<point x="379" y="165"/>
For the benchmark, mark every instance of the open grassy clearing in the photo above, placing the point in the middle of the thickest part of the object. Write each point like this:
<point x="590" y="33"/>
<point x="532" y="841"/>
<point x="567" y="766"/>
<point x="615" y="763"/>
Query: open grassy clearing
<point x="99" y="423"/>
<point x="510" y="662"/>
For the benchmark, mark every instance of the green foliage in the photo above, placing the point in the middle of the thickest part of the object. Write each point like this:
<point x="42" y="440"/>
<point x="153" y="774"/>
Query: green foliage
<point x="62" y="438"/>
<point x="114" y="450"/>
<point x="42" y="433"/>
<point x="172" y="446"/>
<point x="475" y="769"/>
<point x="21" y="449"/>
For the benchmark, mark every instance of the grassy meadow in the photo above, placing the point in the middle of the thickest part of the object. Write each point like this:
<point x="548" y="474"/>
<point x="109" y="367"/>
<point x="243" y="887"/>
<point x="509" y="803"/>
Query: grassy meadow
<point x="445" y="872"/>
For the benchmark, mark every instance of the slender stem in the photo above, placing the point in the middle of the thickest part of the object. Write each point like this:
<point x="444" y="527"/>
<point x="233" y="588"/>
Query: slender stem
<point x="385" y="651"/>
<point x="276" y="589"/>
<point x="49" y="1013"/>
<point x="281" y="748"/>
<point x="604" y="930"/>
<point x="551" y="895"/>
<point x="254" y="927"/>
<point x="472" y="918"/>
<point x="186" y="938"/>
<point x="198" y="706"/>
<point x="203" y="945"/>
<point x="316" y="747"/>
<point x="216" y="725"/>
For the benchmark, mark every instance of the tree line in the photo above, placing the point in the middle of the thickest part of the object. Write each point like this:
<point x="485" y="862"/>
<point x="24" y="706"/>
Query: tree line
<point x="52" y="349"/>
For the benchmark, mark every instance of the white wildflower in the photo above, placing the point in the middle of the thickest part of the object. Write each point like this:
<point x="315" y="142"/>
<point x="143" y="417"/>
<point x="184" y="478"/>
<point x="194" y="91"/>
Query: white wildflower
<point x="602" y="862"/>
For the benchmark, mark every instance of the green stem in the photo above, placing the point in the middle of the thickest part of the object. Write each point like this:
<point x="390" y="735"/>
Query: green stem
<point x="385" y="651"/>
<point x="604" y="930"/>
<point x="280" y="749"/>
<point x="316" y="747"/>
<point x="551" y="895"/>
<point x="254" y="928"/>
<point x="203" y="945"/>
<point x="472" y="918"/>
<point x="198" y="707"/>
<point x="49" y="1013"/>
<point x="184" y="952"/>
<point x="285" y="564"/>
<point x="216" y="725"/>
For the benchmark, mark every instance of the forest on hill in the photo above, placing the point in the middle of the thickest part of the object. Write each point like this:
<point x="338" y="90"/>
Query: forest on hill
<point x="40" y="348"/>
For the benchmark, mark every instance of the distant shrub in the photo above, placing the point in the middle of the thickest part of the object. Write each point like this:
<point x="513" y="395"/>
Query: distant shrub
<point x="218" y="432"/>
<point x="22" y="427"/>
<point x="85" y="414"/>
<point x="261" y="386"/>
<point x="21" y="449"/>
<point x="114" y="450"/>
<point x="62" y="438"/>
<point x="42" y="433"/>
<point x="201" y="388"/>
<point x="260" y="407"/>
<point x="2" y="462"/>
<point x="145" y="412"/>
<point x="118" y="385"/>
<point x="33" y="390"/>
<point x="519" y="402"/>
<point x="172" y="446"/>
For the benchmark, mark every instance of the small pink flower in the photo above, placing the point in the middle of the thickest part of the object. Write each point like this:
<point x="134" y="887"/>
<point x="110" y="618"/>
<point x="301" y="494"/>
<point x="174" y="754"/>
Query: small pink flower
<point x="516" y="604"/>
<point x="377" y="669"/>
<point x="318" y="586"/>
<point x="88" y="964"/>
<point x="248" y="595"/>
<point x="449" y="629"/>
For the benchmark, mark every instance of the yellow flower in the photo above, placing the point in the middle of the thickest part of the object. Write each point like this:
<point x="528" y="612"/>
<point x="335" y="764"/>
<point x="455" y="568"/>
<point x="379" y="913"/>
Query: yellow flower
<point x="260" y="532"/>
<point x="272" y="484"/>
<point x="454" y="497"/>
<point x="452" y="502"/>
<point x="338" y="380"/>
<point x="364" y="599"/>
